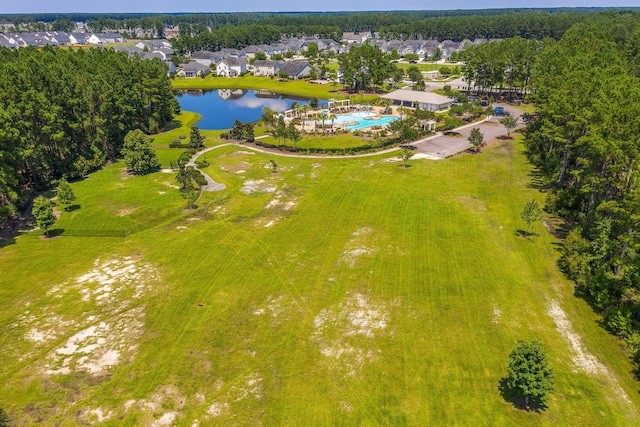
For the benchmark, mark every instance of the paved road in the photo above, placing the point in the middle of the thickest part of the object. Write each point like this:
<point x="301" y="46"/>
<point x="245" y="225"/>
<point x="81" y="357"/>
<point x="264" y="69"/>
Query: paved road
<point x="435" y="147"/>
<point x="211" y="184"/>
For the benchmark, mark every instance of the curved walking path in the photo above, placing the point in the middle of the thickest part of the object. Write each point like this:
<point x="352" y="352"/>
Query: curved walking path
<point x="428" y="150"/>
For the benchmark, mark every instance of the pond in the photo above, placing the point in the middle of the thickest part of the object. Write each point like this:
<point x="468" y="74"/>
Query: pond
<point x="220" y="108"/>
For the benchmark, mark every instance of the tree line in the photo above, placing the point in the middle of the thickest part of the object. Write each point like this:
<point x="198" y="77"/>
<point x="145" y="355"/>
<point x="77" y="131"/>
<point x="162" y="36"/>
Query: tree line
<point x="64" y="113"/>
<point x="501" y="65"/>
<point x="584" y="142"/>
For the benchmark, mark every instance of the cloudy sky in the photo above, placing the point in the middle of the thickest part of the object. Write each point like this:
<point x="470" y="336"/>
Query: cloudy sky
<point x="42" y="6"/>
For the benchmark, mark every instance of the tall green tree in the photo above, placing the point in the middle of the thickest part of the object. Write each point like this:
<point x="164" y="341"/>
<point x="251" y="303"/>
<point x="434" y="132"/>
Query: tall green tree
<point x="196" y="140"/>
<point x="65" y="193"/>
<point x="42" y="212"/>
<point x="138" y="152"/>
<point x="529" y="374"/>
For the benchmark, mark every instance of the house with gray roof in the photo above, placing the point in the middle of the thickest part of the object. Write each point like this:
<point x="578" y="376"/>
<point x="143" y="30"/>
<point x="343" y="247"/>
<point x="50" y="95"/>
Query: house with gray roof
<point x="266" y="68"/>
<point x="203" y="57"/>
<point x="295" y="69"/>
<point x="193" y="69"/>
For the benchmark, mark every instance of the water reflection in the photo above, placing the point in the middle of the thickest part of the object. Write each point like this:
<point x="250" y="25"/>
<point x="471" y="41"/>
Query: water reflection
<point x="220" y="108"/>
<point x="274" y="104"/>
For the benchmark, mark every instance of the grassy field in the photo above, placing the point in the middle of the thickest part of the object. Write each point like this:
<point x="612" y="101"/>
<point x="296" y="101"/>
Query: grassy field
<point x="424" y="67"/>
<point x="346" y="292"/>
<point x="292" y="87"/>
<point x="346" y="140"/>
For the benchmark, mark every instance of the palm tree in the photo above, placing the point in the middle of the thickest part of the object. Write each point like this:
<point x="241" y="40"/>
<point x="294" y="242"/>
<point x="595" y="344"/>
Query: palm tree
<point x="324" y="116"/>
<point x="333" y="118"/>
<point x="387" y="103"/>
<point x="295" y="108"/>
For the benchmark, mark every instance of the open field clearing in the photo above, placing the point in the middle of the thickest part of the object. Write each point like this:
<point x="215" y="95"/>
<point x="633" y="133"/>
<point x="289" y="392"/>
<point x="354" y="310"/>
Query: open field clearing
<point x="331" y="292"/>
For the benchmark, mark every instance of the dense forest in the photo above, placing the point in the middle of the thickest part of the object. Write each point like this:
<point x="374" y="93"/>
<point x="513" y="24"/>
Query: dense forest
<point x="585" y="142"/>
<point x="64" y="113"/>
<point x="530" y="25"/>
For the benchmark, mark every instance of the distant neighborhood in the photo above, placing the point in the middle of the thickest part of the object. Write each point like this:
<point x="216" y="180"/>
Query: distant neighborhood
<point x="284" y="58"/>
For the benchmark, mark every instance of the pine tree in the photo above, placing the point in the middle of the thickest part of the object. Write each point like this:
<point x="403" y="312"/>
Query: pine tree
<point x="196" y="140"/>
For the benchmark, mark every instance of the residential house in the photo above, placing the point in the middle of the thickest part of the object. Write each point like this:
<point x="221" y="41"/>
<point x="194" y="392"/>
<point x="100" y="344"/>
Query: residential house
<point x="193" y="69"/>
<point x="356" y="38"/>
<point x="229" y="52"/>
<point x="110" y="37"/>
<point x="266" y="68"/>
<point x="295" y="69"/>
<point x="231" y="67"/>
<point x="203" y="57"/>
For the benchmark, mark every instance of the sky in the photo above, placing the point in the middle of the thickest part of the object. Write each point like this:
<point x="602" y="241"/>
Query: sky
<point x="172" y="6"/>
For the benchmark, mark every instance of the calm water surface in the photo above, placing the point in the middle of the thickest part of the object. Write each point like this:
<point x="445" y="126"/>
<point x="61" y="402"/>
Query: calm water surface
<point x="220" y="108"/>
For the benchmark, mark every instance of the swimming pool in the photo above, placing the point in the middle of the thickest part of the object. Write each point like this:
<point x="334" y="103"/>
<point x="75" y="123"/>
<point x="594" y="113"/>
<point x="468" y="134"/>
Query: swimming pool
<point x="362" y="122"/>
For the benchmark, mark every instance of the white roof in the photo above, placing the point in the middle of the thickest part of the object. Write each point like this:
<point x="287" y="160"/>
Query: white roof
<point x="409" y="95"/>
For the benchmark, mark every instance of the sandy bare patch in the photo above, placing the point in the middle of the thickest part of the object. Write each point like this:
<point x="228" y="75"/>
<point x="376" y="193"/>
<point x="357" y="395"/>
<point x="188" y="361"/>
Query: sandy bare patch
<point x="218" y="408"/>
<point x="425" y="156"/>
<point x="250" y="187"/>
<point x="111" y="327"/>
<point x="496" y="315"/>
<point x="581" y="357"/>
<point x="277" y="308"/>
<point x="345" y="334"/>
<point x="169" y="184"/>
<point x="127" y="211"/>
<point x="472" y="203"/>
<point x="358" y="246"/>
<point x="241" y="171"/>
<point x="99" y="347"/>
<point x="181" y="227"/>
<point x="272" y="203"/>
<point x="165" y="420"/>
<point x="96" y="416"/>
<point x="161" y="192"/>
<point x="167" y="171"/>
<point x="240" y="153"/>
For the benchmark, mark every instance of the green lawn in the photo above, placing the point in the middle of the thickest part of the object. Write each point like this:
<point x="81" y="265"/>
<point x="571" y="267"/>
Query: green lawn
<point x="181" y="127"/>
<point x="292" y="87"/>
<point x="421" y="66"/>
<point x="346" y="140"/>
<point x="346" y="292"/>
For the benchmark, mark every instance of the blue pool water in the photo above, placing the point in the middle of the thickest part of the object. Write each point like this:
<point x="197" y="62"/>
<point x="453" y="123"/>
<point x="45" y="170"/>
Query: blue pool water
<point x="362" y="121"/>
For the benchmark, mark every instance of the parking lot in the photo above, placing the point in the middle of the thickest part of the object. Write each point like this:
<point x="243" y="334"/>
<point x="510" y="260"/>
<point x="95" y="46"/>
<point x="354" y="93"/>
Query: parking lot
<point x="441" y="146"/>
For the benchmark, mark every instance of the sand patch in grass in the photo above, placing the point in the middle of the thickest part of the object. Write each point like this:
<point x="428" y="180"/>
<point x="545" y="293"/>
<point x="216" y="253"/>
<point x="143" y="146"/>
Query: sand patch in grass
<point x="345" y="334"/>
<point x="168" y="184"/>
<point x="127" y="211"/>
<point x="250" y="187"/>
<point x="581" y="357"/>
<point x="109" y="330"/>
<point x="358" y="246"/>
